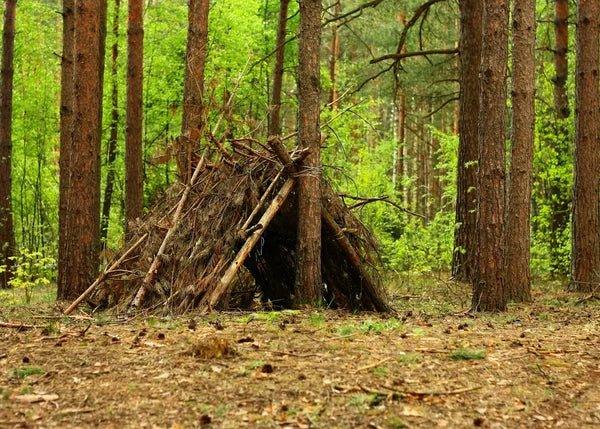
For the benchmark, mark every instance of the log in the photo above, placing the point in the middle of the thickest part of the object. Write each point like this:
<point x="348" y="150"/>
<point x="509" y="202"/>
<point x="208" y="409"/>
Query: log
<point x="354" y="259"/>
<point x="225" y="281"/>
<point x="157" y="261"/>
<point x="102" y="277"/>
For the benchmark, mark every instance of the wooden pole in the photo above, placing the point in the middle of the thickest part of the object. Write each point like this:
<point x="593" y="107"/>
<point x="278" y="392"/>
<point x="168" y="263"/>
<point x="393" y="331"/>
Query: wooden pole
<point x="104" y="275"/>
<point x="267" y="217"/>
<point x="157" y="262"/>
<point x="367" y="282"/>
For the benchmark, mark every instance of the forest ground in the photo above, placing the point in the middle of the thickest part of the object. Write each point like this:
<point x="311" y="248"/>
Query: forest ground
<point x="430" y="365"/>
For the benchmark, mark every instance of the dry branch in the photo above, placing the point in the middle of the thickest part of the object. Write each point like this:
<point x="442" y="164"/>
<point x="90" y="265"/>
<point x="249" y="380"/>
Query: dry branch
<point x="105" y="274"/>
<point x="264" y="221"/>
<point x="156" y="263"/>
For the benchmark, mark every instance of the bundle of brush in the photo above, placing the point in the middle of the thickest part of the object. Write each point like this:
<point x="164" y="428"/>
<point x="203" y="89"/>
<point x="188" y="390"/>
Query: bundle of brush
<point x="230" y="233"/>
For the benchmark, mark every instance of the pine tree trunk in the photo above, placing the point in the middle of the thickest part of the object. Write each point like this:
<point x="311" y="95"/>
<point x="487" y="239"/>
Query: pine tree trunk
<point x="275" y="116"/>
<point x="586" y="227"/>
<point x="7" y="235"/>
<point x="79" y="259"/>
<point x="561" y="64"/>
<point x="518" y="220"/>
<point x="463" y="260"/>
<point x="308" y="276"/>
<point x="421" y="165"/>
<point x="560" y="200"/>
<point x="66" y="149"/>
<point x="114" y="129"/>
<point x="134" y="174"/>
<point x="488" y="286"/>
<point x="334" y="55"/>
<point x="193" y="91"/>
<point x="401" y="142"/>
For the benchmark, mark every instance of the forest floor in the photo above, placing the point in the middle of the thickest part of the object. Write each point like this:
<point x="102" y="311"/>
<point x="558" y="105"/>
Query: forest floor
<point x="430" y="365"/>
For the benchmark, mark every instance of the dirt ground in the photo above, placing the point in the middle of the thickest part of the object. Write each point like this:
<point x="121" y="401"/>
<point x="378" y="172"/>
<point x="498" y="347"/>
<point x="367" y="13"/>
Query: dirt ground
<point x="429" y="365"/>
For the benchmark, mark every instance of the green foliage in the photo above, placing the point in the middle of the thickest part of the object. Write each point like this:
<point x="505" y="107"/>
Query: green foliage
<point x="360" y="140"/>
<point x="31" y="270"/>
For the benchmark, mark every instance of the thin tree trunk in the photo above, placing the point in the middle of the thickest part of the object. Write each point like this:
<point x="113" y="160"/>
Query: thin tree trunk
<point x="421" y="162"/>
<point x="334" y="55"/>
<point x="401" y="142"/>
<point x="561" y="64"/>
<point x="586" y="204"/>
<point x="114" y="129"/>
<point x="518" y="220"/>
<point x="7" y="235"/>
<point x="82" y="226"/>
<point x="463" y="260"/>
<point x="66" y="149"/>
<point x="308" y="275"/>
<point x="193" y="91"/>
<point x="488" y="285"/>
<point x="560" y="200"/>
<point x="134" y="180"/>
<point x="275" y="116"/>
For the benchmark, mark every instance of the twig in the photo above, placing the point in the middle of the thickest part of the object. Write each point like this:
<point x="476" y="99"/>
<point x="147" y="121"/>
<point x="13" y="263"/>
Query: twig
<point x="373" y="365"/>
<point x="19" y="326"/>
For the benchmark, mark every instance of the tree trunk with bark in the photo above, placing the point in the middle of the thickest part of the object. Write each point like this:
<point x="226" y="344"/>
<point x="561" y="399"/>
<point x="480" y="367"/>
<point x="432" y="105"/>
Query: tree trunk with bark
<point x="401" y="142"/>
<point x="66" y="150"/>
<point x="334" y="55"/>
<point x="463" y="260"/>
<point x="518" y="219"/>
<point x="275" y="116"/>
<point x="488" y="284"/>
<point x="193" y="90"/>
<point x="134" y="174"/>
<point x="560" y="200"/>
<point x="308" y="276"/>
<point x="7" y="235"/>
<point x="114" y="129"/>
<point x="561" y="64"/>
<point x="586" y="204"/>
<point x="78" y="263"/>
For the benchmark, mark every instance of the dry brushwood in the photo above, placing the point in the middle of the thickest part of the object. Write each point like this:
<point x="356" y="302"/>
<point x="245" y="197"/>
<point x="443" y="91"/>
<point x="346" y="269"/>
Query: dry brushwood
<point x="232" y="237"/>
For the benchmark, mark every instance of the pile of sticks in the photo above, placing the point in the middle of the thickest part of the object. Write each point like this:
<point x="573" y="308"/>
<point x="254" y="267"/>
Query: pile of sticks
<point x="235" y="221"/>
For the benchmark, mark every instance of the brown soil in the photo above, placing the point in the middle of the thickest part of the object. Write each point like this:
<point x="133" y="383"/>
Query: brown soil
<point x="428" y="366"/>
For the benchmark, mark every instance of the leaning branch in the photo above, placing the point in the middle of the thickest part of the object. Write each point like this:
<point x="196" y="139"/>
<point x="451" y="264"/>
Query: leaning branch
<point x="384" y="199"/>
<point x="397" y="57"/>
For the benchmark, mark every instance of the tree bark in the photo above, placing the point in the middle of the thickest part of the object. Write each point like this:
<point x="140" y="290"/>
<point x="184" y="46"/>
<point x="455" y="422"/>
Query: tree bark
<point x="7" y="236"/>
<point x="134" y="174"/>
<point x="561" y="64"/>
<point x="82" y="227"/>
<point x="334" y="55"/>
<point x="66" y="150"/>
<point x="401" y="142"/>
<point x="114" y="129"/>
<point x="275" y="116"/>
<point x="560" y="201"/>
<point x="193" y="91"/>
<point x="586" y="204"/>
<point x="488" y="285"/>
<point x="463" y="260"/>
<point x="308" y="276"/>
<point x="518" y="220"/>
